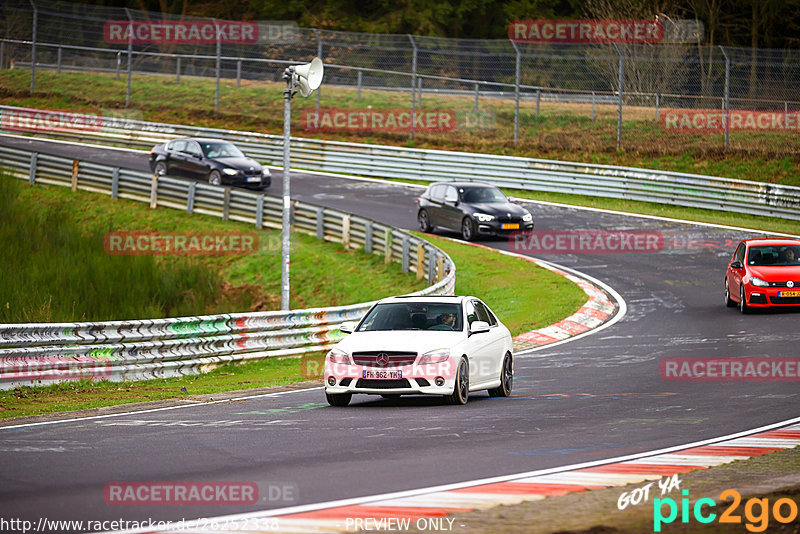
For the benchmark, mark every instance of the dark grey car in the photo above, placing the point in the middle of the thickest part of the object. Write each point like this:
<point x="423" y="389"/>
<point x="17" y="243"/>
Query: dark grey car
<point x="473" y="209"/>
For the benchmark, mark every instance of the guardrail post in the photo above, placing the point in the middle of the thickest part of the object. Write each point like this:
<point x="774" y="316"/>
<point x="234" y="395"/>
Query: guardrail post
<point x="178" y="71"/>
<point x="33" y="46"/>
<point x="358" y="92"/>
<point x="516" y="92"/>
<point x="239" y="72"/>
<point x="368" y="237"/>
<point x="388" y="251"/>
<point x="58" y="62"/>
<point x="726" y="103"/>
<point x="320" y="224"/>
<point x="619" y="110"/>
<point x="413" y="84"/>
<point x="431" y="267"/>
<point x="34" y="161"/>
<point x="115" y="183"/>
<point x="420" y="261"/>
<point x="260" y="212"/>
<point x="346" y="231"/>
<point x="154" y="192"/>
<point x="190" y="198"/>
<point x="74" y="175"/>
<point x="405" y="259"/>
<point x="439" y="268"/>
<point x="226" y="203"/>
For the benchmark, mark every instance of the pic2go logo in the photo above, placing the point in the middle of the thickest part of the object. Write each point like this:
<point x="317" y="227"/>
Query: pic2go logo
<point x="756" y="511"/>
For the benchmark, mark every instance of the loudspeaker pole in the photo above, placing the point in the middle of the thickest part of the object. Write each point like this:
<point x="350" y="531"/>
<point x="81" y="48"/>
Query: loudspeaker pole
<point x="286" y="243"/>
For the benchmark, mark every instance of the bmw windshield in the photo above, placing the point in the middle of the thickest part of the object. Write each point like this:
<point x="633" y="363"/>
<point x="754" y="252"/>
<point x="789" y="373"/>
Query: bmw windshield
<point x="482" y="195"/>
<point x="221" y="150"/>
<point x="413" y="316"/>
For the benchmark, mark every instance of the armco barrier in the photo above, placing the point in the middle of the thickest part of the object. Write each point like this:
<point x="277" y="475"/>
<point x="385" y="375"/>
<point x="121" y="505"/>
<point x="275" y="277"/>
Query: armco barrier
<point x="691" y="190"/>
<point x="32" y="354"/>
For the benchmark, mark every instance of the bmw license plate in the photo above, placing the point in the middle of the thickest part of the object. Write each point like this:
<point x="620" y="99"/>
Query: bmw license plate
<point x="382" y="374"/>
<point x="509" y="226"/>
<point x="251" y="179"/>
<point x="789" y="293"/>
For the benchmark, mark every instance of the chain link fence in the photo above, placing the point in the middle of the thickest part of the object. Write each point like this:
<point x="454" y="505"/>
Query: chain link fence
<point x="662" y="98"/>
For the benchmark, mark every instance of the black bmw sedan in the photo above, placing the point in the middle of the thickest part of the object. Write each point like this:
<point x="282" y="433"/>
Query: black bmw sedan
<point x="472" y="209"/>
<point x="213" y="160"/>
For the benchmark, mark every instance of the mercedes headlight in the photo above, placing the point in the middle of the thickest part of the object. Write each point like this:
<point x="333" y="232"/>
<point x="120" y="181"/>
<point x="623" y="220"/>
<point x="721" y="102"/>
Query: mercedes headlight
<point x="435" y="356"/>
<point x="338" y="356"/>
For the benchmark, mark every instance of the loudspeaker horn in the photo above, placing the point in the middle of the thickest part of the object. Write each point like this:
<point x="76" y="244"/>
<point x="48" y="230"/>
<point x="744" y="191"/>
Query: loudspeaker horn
<point x="309" y="76"/>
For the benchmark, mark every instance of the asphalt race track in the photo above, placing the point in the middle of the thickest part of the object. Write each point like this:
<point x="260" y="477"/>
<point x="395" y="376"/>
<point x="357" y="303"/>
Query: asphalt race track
<point x="597" y="397"/>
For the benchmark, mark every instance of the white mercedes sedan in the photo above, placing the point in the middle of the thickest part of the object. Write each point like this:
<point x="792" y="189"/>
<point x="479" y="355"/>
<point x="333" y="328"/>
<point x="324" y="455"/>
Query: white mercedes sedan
<point x="448" y="346"/>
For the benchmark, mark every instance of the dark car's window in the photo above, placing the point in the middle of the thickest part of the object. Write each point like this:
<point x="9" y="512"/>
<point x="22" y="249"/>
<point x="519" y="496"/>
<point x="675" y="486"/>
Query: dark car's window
<point x="776" y="255"/>
<point x="437" y="193"/>
<point x="193" y="149"/>
<point x="412" y="316"/>
<point x="214" y="150"/>
<point x="451" y="195"/>
<point x="484" y="314"/>
<point x="177" y="146"/>
<point x="482" y="195"/>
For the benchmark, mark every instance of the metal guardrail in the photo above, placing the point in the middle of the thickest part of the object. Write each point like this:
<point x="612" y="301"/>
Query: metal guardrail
<point x="663" y="187"/>
<point x="40" y="353"/>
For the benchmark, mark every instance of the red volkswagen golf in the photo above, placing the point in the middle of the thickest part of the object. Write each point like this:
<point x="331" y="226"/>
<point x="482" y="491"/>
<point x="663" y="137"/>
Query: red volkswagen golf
<point x="764" y="273"/>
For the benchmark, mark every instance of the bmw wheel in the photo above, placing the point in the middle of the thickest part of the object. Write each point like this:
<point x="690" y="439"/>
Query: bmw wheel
<point x="729" y="302"/>
<point x="161" y="169"/>
<point x="468" y="229"/>
<point x="506" y="379"/>
<point x="338" y="399"/>
<point x="460" y="393"/>
<point x="214" y="178"/>
<point x="424" y="221"/>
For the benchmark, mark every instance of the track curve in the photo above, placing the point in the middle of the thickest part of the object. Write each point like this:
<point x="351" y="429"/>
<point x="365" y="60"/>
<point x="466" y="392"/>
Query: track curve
<point x="597" y="397"/>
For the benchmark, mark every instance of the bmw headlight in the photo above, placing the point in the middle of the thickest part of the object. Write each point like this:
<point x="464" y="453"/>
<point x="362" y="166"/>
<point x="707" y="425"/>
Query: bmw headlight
<point x="264" y="172"/>
<point x="338" y="356"/>
<point x="527" y="217"/>
<point x="758" y="282"/>
<point x="230" y="172"/>
<point x="483" y="217"/>
<point x="435" y="356"/>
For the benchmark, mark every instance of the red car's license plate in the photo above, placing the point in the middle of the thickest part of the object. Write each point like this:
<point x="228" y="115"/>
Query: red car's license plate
<point x="382" y="374"/>
<point x="789" y="293"/>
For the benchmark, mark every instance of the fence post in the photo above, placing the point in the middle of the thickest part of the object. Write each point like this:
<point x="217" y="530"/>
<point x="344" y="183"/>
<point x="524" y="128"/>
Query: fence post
<point x="178" y="71"/>
<point x="658" y="103"/>
<point x="346" y="231"/>
<point x="726" y="102"/>
<point x="419" y="90"/>
<point x="413" y="83"/>
<point x="358" y="94"/>
<point x="34" y="161"/>
<point x="260" y="212"/>
<point x="58" y="61"/>
<point x="119" y="64"/>
<point x="33" y="46"/>
<point x="2" y="54"/>
<point x="320" y="224"/>
<point x="239" y="72"/>
<point x="115" y="183"/>
<point x="516" y="93"/>
<point x="218" y="66"/>
<point x="420" y="261"/>
<point x="319" y="55"/>
<point x="130" y="58"/>
<point x="368" y="237"/>
<point x="786" y="115"/>
<point x="190" y="199"/>
<point x="538" y="100"/>
<point x="475" y="109"/>
<point x="619" y="110"/>
<point x="405" y="258"/>
<point x="592" y="106"/>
